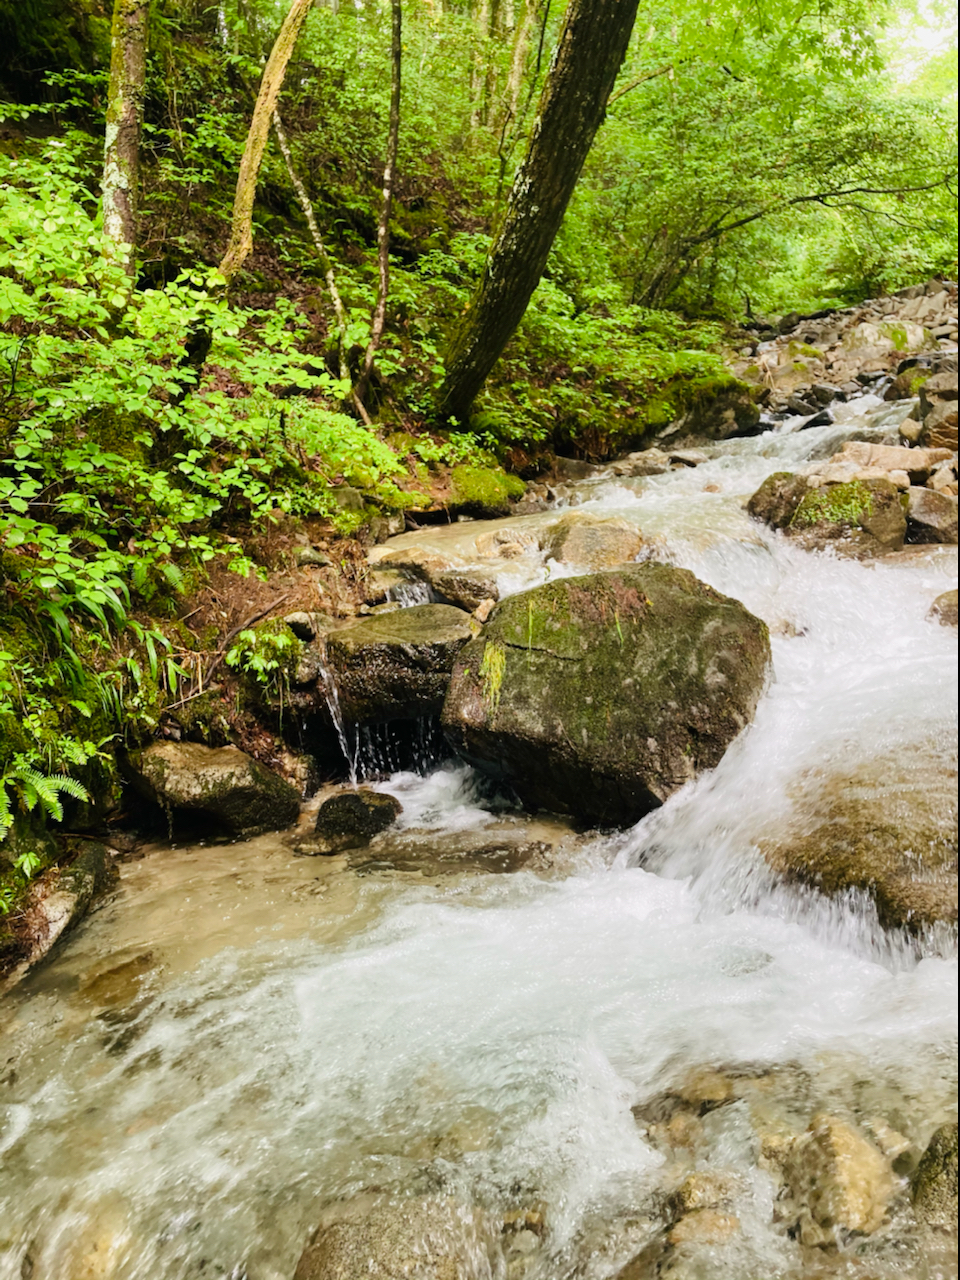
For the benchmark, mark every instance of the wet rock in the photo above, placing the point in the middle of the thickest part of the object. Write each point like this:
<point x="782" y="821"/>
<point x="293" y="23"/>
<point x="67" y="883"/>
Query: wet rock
<point x="934" y="1185"/>
<point x="888" y="828"/>
<point x="860" y="518"/>
<point x="703" y="1191"/>
<point x="706" y="1226"/>
<point x="593" y="542"/>
<point x="917" y="463"/>
<point x="416" y="1239"/>
<point x="944" y="609"/>
<point x="381" y="582"/>
<point x="838" y="1180"/>
<point x="689" y="457"/>
<point x="940" y="426"/>
<point x="931" y="516"/>
<point x="510" y="543"/>
<point x="647" y="462"/>
<point x="601" y="696"/>
<point x="777" y="499"/>
<point x="58" y="900"/>
<point x="352" y="818"/>
<point x="227" y="790"/>
<point x="466" y="588"/>
<point x="821" y="419"/>
<point x="397" y="666"/>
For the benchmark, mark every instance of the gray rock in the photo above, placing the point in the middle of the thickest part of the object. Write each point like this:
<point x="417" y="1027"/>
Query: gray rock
<point x="366" y="1238"/>
<point x="397" y="666"/>
<point x="466" y="588"/>
<point x="310" y="556"/>
<point x="222" y="786"/>
<point x="799" y="404"/>
<point x="931" y="516"/>
<point x="934" y="1185"/>
<point x="824" y="393"/>
<point x="689" y="457"/>
<point x="601" y="696"/>
<point x="777" y="499"/>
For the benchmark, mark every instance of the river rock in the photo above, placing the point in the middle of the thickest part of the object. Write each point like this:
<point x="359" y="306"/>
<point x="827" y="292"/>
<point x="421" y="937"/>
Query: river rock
<point x="353" y="818"/>
<point x="934" y="1184"/>
<point x="940" y="426"/>
<point x="601" y="696"/>
<point x="717" y="412"/>
<point x="417" y="1239"/>
<point x="593" y="542"/>
<point x="466" y="588"/>
<point x="224" y="788"/>
<point x="777" y="499"/>
<point x="931" y="516"/>
<point x="860" y="518"/>
<point x="944" y="609"/>
<point x="888" y="828"/>
<point x="57" y="901"/>
<point x="838" y="1180"/>
<point x="397" y="666"/>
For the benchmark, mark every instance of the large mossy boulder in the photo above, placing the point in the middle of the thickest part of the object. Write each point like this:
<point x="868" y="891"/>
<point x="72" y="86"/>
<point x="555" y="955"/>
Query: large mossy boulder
<point x="220" y="789"/>
<point x="416" y="1239"/>
<point x="397" y="666"/>
<point x="714" y="407"/>
<point x="601" y="696"/>
<point x="888" y="828"/>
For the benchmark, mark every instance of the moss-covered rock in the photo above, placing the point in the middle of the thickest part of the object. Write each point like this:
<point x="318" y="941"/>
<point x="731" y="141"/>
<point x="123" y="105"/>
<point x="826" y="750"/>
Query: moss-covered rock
<point x="357" y="816"/>
<point x="860" y="518"/>
<point x="934" y="1185"/>
<point x="397" y="666"/>
<point x="601" y="696"/>
<point x="483" y="491"/>
<point x="222" y="788"/>
<point x="888" y="828"/>
<point x="715" y="406"/>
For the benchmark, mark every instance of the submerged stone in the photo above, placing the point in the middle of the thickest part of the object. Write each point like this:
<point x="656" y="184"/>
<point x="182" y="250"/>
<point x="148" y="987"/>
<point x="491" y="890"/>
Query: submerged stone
<point x="593" y="542"/>
<point x="934" y="1185"/>
<point x="601" y="696"/>
<point x="416" y="1239"/>
<point x="355" y="817"/>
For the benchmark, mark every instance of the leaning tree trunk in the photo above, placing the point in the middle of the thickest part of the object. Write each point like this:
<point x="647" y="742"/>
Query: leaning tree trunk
<point x="592" y="46"/>
<point x="241" y="229"/>
<point x="121" y="151"/>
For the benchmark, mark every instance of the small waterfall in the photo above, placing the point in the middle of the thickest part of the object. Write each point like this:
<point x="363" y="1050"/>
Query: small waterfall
<point x="346" y="734"/>
<point x="415" y="746"/>
<point x="408" y="594"/>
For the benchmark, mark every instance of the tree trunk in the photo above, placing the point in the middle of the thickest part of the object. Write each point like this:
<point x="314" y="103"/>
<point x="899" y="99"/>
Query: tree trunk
<point x="518" y="56"/>
<point x="241" y="229"/>
<point x="592" y="46"/>
<point x="383" y="229"/>
<point x="121" y="152"/>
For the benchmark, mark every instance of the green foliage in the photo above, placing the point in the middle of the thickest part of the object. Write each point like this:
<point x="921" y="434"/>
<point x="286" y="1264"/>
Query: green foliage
<point x="839" y="504"/>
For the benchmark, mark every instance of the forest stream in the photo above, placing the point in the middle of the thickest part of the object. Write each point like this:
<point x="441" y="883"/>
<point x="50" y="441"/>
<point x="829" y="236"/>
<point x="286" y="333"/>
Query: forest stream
<point x="554" y="1029"/>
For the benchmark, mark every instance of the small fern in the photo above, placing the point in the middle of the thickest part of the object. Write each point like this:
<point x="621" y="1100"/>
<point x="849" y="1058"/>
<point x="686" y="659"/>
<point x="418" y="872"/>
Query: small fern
<point x="36" y="790"/>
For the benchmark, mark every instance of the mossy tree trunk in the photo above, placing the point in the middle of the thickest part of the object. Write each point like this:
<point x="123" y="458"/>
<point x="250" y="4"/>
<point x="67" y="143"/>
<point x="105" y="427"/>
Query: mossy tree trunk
<point x="241" y="229"/>
<point x="592" y="46"/>
<point x="121" y="151"/>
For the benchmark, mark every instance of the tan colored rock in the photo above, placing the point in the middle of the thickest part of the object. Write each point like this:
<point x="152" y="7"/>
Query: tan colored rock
<point x="911" y="430"/>
<point x="944" y="609"/>
<point x="418" y="1239"/>
<point x="934" y="1187"/>
<point x="510" y="543"/>
<point x="888" y="827"/>
<point x="840" y="1178"/>
<point x="704" y="1227"/>
<point x="931" y="516"/>
<point x="940" y="426"/>
<point x="593" y="542"/>
<point x="704" y="1089"/>
<point x="704" y="1191"/>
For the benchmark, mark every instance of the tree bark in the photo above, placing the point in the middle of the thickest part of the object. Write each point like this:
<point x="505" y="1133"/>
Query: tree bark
<point x="241" y="229"/>
<point x="121" y="151"/>
<point x="592" y="46"/>
<point x="383" y="229"/>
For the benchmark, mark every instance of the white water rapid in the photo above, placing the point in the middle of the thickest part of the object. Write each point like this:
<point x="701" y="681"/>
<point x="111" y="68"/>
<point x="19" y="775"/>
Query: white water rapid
<point x="240" y="1037"/>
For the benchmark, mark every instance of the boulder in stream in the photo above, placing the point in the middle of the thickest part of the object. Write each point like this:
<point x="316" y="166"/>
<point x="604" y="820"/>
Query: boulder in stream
<point x="944" y="609"/>
<point x="931" y="516"/>
<point x="593" y="542"/>
<point x="397" y="666"/>
<point x="888" y="828"/>
<point x="860" y="518"/>
<point x="839" y="1181"/>
<point x="601" y="696"/>
<point x="352" y="818"/>
<point x="414" y="1239"/>
<point x="221" y="788"/>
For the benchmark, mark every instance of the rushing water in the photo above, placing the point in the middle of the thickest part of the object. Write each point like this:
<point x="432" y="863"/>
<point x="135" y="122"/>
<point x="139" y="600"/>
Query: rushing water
<point x="240" y="1036"/>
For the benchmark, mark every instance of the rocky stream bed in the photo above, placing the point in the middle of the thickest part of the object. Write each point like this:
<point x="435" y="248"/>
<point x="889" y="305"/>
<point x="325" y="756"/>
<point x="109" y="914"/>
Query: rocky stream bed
<point x="629" y="948"/>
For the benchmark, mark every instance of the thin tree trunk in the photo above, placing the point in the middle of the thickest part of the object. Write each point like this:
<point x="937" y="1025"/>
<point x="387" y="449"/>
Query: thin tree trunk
<point x="592" y="46"/>
<point x="241" y="230"/>
<point x="326" y="262"/>
<point x="121" y="152"/>
<point x="518" y="56"/>
<point x="383" y="229"/>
